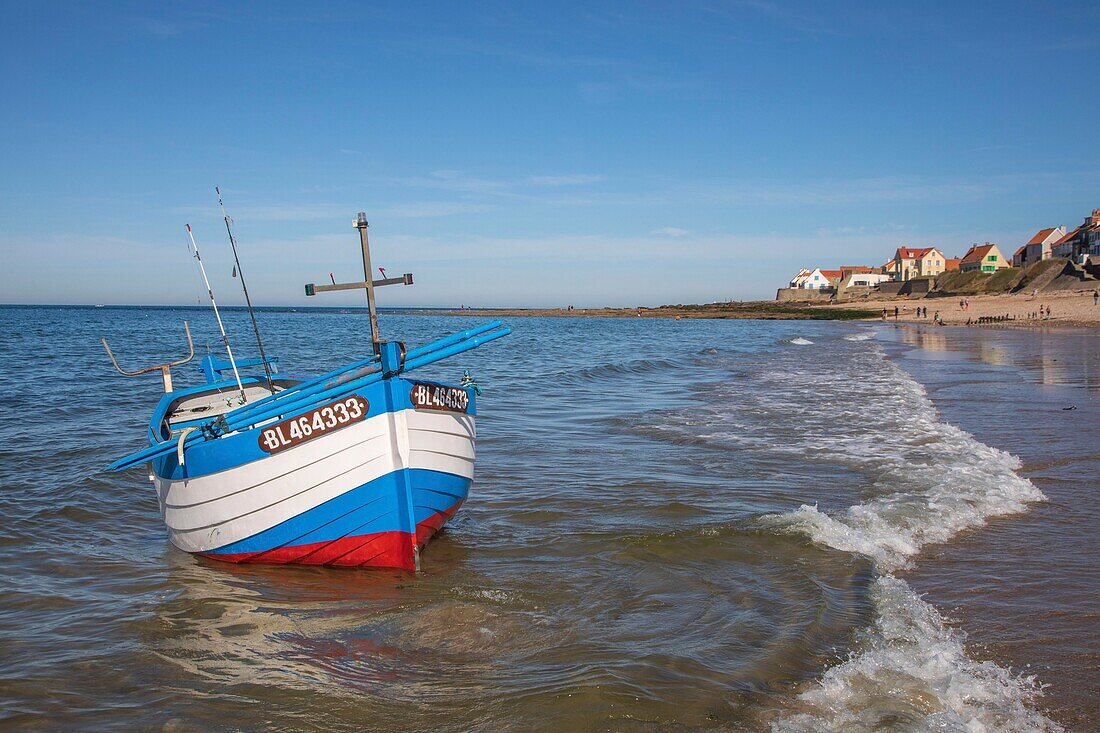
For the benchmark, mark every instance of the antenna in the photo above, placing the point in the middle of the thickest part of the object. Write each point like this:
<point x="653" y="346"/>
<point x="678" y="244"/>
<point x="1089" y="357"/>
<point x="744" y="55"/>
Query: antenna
<point x="244" y="286"/>
<point x="210" y="292"/>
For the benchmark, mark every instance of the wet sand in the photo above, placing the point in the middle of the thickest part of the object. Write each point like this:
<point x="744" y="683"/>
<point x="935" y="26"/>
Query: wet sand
<point x="1023" y="587"/>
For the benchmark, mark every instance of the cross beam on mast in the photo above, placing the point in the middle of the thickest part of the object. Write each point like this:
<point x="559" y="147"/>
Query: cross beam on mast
<point x="367" y="283"/>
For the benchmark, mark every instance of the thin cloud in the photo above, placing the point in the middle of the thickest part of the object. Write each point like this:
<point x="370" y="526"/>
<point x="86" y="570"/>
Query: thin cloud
<point x="670" y="232"/>
<point x="576" y="179"/>
<point x="339" y="211"/>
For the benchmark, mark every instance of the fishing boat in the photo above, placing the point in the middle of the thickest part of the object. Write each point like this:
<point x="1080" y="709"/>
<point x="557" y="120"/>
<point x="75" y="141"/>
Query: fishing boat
<point x="357" y="467"/>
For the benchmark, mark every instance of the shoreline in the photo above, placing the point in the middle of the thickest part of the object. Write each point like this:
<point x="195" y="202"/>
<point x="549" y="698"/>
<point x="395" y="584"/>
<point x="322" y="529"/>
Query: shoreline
<point x="1072" y="309"/>
<point x="1014" y="584"/>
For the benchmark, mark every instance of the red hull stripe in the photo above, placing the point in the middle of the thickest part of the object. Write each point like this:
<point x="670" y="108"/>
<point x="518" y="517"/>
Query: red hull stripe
<point x="377" y="550"/>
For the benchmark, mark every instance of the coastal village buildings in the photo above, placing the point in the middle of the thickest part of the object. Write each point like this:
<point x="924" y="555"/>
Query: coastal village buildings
<point x="1066" y="246"/>
<point x="1082" y="246"/>
<point x="983" y="257"/>
<point x="1038" y="247"/>
<point x="1077" y="245"/>
<point x="910" y="262"/>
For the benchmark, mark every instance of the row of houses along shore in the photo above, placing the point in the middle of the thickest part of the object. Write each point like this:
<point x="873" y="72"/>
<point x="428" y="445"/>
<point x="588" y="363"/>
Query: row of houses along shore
<point x="1080" y="246"/>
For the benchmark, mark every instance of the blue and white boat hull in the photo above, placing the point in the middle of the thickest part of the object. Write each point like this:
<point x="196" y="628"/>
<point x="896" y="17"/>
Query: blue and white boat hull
<point x="367" y="493"/>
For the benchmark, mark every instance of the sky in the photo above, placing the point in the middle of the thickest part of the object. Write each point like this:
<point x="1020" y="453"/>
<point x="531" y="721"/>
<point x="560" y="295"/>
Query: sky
<point x="530" y="154"/>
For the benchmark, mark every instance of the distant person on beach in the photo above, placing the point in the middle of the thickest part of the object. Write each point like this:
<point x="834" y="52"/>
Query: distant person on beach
<point x="1095" y="297"/>
<point x="884" y="314"/>
<point x="937" y="319"/>
<point x="895" y="313"/>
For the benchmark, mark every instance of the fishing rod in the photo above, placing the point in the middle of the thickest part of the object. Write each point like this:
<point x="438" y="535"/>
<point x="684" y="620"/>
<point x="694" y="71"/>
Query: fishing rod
<point x="217" y="315"/>
<point x="248" y="301"/>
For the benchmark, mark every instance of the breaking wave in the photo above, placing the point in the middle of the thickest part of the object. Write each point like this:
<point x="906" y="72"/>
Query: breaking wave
<point x="924" y="482"/>
<point x="948" y="482"/>
<point x="912" y="673"/>
<point x="929" y="482"/>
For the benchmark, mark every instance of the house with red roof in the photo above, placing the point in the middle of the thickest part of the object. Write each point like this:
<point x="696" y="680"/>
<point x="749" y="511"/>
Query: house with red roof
<point x="1079" y="243"/>
<point x="984" y="258"/>
<point x="799" y="280"/>
<point x="1018" y="259"/>
<point x="1067" y="245"/>
<point x="1094" y="237"/>
<point x="911" y="262"/>
<point x="1038" y="247"/>
<point x="815" y="279"/>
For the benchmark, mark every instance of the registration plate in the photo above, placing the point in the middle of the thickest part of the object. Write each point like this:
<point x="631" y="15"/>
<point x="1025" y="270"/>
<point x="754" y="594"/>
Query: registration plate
<point x="313" y="424"/>
<point x="427" y="396"/>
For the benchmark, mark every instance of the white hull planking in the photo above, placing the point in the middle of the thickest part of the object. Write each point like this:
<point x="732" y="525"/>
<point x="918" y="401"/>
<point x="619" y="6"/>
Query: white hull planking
<point x="217" y="509"/>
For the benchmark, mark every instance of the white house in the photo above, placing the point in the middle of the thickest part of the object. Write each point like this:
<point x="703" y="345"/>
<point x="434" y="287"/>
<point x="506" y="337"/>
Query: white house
<point x="865" y="279"/>
<point x="815" y="279"/>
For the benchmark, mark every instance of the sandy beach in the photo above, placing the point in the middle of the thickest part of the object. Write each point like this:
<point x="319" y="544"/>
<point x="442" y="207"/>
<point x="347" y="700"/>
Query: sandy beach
<point x="1070" y="309"/>
<point x="1067" y="309"/>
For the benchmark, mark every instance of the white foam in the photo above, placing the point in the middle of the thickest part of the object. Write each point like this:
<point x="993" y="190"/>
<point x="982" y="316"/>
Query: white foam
<point x="912" y="673"/>
<point x="800" y="341"/>
<point x="861" y="336"/>
<point x="929" y="481"/>
<point x="934" y="481"/>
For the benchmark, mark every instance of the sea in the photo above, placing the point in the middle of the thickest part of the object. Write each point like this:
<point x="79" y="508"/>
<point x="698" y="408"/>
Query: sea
<point x="697" y="525"/>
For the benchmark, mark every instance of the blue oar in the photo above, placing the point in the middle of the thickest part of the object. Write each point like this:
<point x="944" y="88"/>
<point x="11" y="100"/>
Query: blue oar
<point x="338" y="390"/>
<point x="347" y="372"/>
<point x="329" y="392"/>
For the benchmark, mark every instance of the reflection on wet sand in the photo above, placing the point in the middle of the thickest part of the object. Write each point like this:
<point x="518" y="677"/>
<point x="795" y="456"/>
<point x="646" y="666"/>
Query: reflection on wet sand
<point x="925" y="338"/>
<point x="1066" y="357"/>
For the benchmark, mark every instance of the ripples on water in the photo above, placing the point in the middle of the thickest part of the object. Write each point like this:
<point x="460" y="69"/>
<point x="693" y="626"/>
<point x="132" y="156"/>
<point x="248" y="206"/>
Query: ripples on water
<point x="672" y="524"/>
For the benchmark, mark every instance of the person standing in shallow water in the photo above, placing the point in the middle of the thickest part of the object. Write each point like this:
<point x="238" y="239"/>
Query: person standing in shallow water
<point x="895" y="313"/>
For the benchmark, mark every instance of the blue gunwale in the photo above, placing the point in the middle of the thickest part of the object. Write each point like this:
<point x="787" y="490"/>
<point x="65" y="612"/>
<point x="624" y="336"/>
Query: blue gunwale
<point x="391" y="360"/>
<point x="230" y="451"/>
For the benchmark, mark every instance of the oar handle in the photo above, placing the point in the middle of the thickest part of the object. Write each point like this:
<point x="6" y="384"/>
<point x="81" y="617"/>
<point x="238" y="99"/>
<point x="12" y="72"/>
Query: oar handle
<point x="341" y="375"/>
